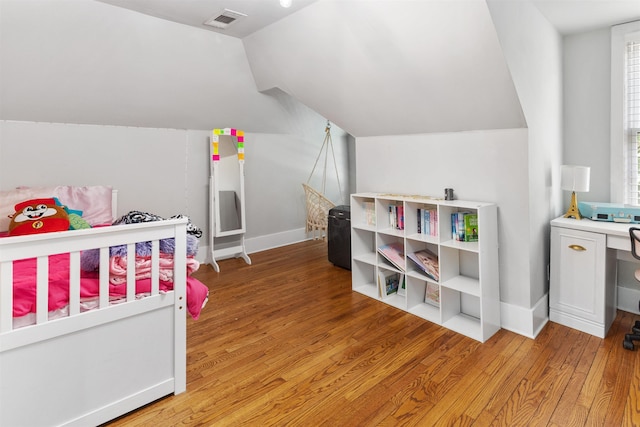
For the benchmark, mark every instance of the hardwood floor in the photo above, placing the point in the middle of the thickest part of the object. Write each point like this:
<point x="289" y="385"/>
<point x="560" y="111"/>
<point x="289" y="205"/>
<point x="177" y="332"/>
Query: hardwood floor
<point x="286" y="342"/>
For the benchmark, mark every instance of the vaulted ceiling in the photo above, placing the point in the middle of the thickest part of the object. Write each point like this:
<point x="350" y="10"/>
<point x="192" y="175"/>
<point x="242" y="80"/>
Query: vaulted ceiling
<point x="377" y="67"/>
<point x="386" y="67"/>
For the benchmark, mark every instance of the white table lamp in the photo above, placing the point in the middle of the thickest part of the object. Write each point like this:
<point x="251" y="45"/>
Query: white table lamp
<point x="574" y="179"/>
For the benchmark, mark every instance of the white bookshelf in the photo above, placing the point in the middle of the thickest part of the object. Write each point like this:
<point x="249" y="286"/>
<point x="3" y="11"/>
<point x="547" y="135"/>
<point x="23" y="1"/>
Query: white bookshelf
<point x="469" y="282"/>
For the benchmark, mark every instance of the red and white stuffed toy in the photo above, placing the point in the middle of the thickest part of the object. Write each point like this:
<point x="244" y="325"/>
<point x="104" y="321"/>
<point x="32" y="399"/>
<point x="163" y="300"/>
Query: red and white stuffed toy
<point x="38" y="216"/>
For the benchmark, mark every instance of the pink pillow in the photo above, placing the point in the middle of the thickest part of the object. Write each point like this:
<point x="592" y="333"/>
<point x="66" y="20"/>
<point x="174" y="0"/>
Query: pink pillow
<point x="93" y="201"/>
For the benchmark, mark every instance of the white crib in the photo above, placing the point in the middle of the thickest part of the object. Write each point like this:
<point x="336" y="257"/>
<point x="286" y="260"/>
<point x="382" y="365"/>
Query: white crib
<point x="91" y="366"/>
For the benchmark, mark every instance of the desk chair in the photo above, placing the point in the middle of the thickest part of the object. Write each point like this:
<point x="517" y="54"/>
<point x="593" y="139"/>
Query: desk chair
<point x="634" y="234"/>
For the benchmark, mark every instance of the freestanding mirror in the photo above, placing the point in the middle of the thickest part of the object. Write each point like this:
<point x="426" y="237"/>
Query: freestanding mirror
<point x="226" y="195"/>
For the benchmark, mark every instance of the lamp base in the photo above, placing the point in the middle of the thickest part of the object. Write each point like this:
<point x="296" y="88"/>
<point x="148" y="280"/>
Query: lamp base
<point x="573" y="208"/>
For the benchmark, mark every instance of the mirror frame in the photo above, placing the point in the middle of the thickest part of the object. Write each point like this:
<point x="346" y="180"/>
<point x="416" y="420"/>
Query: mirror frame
<point x="237" y="136"/>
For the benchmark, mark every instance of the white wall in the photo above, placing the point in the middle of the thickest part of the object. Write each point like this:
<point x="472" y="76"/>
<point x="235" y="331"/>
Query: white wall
<point x="517" y="169"/>
<point x="587" y="109"/>
<point x="482" y="165"/>
<point x="533" y="50"/>
<point x="587" y="135"/>
<point x="148" y="166"/>
<point x="75" y="71"/>
<point x="165" y="171"/>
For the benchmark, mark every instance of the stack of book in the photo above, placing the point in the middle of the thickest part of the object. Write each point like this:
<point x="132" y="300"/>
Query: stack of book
<point x="428" y="221"/>
<point x="396" y="217"/>
<point x="464" y="226"/>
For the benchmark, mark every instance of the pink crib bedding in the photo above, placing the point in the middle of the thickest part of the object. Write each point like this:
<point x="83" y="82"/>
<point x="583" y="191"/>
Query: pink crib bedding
<point x="24" y="285"/>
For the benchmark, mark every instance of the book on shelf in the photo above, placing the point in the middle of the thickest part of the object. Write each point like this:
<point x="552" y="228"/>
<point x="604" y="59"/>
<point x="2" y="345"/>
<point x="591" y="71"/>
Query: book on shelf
<point x="428" y="221"/>
<point x="427" y="261"/>
<point x="402" y="286"/>
<point x="396" y="217"/>
<point x="389" y="283"/>
<point x="471" y="228"/>
<point x="460" y="226"/>
<point x="392" y="216"/>
<point x="432" y="294"/>
<point x="433" y="222"/>
<point x="394" y="253"/>
<point x="463" y="222"/>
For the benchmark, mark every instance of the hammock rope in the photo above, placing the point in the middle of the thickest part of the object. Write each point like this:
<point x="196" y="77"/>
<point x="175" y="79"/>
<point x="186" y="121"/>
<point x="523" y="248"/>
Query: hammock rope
<point x="318" y="205"/>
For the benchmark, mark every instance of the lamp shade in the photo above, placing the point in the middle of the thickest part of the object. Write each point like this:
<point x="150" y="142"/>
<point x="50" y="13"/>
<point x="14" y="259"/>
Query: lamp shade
<point x="575" y="178"/>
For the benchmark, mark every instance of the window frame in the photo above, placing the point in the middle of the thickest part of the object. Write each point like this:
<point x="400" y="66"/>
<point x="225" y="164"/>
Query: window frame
<point x="620" y="35"/>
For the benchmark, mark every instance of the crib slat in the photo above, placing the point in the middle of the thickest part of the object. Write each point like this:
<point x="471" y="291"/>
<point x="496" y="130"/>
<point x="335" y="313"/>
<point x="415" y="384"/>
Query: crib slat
<point x="155" y="267"/>
<point x="6" y="296"/>
<point x="131" y="272"/>
<point x="42" y="289"/>
<point x="104" y="277"/>
<point x="74" y="283"/>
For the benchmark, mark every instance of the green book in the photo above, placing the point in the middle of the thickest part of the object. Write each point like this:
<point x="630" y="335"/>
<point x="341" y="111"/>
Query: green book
<point x="471" y="228"/>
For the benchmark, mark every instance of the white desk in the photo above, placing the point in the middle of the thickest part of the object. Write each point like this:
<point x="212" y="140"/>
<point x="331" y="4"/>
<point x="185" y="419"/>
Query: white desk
<point x="583" y="280"/>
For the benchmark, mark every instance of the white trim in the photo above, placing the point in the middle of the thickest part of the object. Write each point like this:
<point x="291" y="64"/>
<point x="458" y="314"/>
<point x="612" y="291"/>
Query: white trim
<point x="579" y="323"/>
<point x="628" y="299"/>
<point x="124" y="405"/>
<point x="276" y="240"/>
<point x="257" y="244"/>
<point x="525" y="321"/>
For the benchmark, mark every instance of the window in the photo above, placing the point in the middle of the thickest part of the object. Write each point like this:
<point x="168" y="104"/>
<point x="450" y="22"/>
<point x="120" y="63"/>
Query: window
<point x="625" y="113"/>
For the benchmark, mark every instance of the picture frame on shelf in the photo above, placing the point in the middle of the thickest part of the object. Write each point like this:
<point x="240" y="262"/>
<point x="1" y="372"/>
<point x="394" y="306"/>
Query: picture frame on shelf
<point x="432" y="294"/>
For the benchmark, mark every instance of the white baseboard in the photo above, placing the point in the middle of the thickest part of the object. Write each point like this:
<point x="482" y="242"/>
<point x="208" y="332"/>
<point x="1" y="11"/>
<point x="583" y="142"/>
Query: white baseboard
<point x="525" y="321"/>
<point x="270" y="241"/>
<point x="628" y="299"/>
<point x="256" y="244"/>
<point x="530" y="321"/>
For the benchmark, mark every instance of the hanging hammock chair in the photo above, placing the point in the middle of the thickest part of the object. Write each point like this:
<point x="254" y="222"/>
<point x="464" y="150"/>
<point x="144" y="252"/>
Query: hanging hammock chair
<point x="318" y="205"/>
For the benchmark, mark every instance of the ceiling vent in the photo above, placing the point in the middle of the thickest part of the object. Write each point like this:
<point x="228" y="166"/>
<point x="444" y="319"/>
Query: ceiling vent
<point x="224" y="19"/>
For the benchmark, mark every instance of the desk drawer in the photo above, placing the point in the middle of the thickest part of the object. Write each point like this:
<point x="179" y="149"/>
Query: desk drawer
<point x="619" y="242"/>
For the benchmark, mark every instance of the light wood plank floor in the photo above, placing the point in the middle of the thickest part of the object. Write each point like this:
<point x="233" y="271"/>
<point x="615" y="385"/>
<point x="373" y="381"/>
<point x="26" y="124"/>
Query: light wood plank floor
<point x="286" y="342"/>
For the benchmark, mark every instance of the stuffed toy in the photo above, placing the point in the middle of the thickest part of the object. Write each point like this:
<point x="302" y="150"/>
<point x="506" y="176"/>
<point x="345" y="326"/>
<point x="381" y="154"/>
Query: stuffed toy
<point x="38" y="216"/>
<point x="76" y="222"/>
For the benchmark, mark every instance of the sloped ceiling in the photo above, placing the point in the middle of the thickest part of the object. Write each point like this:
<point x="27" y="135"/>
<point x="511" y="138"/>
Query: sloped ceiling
<point x="375" y="67"/>
<point x="87" y="62"/>
<point x="390" y="68"/>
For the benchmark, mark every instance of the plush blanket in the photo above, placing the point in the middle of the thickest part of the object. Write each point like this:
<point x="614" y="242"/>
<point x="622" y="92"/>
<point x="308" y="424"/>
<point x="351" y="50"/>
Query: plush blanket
<point x="90" y="260"/>
<point x="24" y="286"/>
<point x="118" y="268"/>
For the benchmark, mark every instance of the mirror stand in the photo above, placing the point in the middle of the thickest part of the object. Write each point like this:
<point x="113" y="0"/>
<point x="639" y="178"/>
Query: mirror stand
<point x="226" y="194"/>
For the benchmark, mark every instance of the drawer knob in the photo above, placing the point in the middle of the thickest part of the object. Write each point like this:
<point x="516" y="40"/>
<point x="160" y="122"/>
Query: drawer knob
<point x="577" y="248"/>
